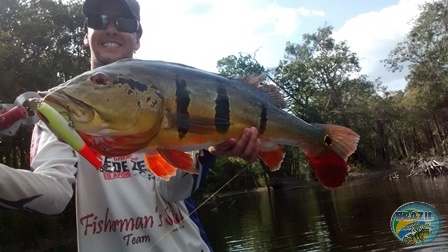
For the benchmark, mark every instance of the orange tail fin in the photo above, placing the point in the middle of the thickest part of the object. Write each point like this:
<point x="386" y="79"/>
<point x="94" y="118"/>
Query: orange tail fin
<point x="329" y="164"/>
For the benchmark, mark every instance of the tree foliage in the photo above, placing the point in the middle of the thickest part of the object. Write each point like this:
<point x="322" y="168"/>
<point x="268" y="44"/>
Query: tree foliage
<point x="241" y="65"/>
<point x="424" y="51"/>
<point x="41" y="45"/>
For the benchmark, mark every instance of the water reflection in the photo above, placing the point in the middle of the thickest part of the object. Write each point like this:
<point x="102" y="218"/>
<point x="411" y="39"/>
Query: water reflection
<point x="355" y="217"/>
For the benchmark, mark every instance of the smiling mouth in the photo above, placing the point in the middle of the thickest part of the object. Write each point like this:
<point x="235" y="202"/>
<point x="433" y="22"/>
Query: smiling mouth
<point x="111" y="44"/>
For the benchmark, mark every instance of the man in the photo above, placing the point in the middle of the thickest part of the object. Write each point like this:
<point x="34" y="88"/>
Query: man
<point x="123" y="207"/>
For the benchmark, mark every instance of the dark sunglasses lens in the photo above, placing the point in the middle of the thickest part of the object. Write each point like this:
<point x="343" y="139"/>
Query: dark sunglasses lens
<point x="123" y="24"/>
<point x="98" y="22"/>
<point x="127" y="25"/>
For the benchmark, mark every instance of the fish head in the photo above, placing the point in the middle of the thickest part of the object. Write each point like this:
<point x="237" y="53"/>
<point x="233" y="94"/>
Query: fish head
<point x="109" y="103"/>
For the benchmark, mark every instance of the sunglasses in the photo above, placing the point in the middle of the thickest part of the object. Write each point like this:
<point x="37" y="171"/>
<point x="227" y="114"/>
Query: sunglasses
<point x="100" y="22"/>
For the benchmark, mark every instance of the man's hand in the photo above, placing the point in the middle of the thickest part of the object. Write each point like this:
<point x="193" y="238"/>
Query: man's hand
<point x="246" y="147"/>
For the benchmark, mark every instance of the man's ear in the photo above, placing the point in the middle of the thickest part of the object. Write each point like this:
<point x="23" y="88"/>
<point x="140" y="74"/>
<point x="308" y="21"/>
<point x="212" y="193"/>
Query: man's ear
<point x="86" y="40"/>
<point x="137" y="44"/>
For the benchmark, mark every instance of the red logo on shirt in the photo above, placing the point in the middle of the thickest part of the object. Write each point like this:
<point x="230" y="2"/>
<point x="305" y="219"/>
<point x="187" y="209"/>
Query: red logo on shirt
<point x="116" y="175"/>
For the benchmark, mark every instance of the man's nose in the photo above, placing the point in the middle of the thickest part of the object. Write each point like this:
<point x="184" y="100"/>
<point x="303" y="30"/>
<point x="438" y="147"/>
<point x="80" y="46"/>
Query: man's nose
<point x="111" y="27"/>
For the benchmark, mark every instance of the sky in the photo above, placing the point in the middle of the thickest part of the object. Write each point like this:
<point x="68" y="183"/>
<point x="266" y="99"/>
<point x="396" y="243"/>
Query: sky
<point x="201" y="32"/>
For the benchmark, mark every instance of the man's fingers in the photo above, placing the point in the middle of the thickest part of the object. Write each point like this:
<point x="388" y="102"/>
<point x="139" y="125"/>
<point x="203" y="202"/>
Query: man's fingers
<point x="247" y="146"/>
<point x="251" y="148"/>
<point x="255" y="153"/>
<point x="241" y="144"/>
<point x="221" y="148"/>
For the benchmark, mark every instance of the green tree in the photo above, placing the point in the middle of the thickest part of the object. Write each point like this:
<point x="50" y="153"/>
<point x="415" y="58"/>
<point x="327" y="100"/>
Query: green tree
<point x="241" y="65"/>
<point x="424" y="51"/>
<point x="41" y="45"/>
<point x="322" y="82"/>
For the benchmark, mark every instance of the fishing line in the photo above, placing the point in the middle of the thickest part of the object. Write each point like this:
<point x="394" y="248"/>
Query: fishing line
<point x="203" y="203"/>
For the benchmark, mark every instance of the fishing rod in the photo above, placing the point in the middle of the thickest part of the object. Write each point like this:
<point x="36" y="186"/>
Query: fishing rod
<point x="197" y="208"/>
<point x="12" y="116"/>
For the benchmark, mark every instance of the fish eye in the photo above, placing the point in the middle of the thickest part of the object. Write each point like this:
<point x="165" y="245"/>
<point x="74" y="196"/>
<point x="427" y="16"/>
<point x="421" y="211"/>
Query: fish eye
<point x="99" y="78"/>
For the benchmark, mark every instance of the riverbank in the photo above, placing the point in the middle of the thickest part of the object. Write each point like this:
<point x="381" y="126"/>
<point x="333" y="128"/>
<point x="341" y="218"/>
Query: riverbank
<point x="287" y="184"/>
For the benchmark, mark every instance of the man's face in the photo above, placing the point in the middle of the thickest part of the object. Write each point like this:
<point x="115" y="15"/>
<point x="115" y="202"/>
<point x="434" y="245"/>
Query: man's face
<point x="110" y="45"/>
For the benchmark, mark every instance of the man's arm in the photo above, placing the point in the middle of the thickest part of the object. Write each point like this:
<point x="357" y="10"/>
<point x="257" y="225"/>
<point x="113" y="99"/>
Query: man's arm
<point x="47" y="189"/>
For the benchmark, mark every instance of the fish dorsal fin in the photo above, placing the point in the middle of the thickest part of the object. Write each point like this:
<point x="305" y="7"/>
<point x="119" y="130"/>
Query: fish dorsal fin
<point x="272" y="91"/>
<point x="253" y="79"/>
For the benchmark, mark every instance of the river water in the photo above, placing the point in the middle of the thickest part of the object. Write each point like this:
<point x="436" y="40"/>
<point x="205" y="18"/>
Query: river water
<point x="355" y="217"/>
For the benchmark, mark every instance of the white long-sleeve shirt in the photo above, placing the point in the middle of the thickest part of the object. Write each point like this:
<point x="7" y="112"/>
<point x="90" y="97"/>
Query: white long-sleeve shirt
<point x="122" y="207"/>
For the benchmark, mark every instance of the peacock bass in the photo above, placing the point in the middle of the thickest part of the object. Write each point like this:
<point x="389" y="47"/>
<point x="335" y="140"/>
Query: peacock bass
<point x="166" y="109"/>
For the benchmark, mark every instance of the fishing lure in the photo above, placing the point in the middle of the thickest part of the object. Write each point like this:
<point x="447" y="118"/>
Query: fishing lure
<point x="64" y="131"/>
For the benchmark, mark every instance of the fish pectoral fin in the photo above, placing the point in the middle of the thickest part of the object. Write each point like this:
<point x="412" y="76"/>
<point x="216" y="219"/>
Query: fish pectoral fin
<point x="178" y="159"/>
<point x="157" y="164"/>
<point x="273" y="158"/>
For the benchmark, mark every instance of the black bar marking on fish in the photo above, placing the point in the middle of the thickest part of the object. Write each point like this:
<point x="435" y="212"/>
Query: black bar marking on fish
<point x="132" y="84"/>
<point x="263" y="119"/>
<point x="222" y="110"/>
<point x="182" y="104"/>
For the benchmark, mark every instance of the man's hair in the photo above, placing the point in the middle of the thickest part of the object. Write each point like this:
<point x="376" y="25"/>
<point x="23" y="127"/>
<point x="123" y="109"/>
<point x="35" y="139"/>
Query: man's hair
<point x="131" y="9"/>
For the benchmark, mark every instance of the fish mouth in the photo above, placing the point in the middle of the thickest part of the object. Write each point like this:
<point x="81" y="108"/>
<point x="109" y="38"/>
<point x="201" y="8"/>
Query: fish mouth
<point x="69" y="107"/>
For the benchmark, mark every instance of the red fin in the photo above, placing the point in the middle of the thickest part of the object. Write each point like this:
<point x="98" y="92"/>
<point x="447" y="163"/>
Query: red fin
<point x="343" y="140"/>
<point x="178" y="159"/>
<point x="273" y="158"/>
<point x="329" y="161"/>
<point x="159" y="166"/>
<point x="330" y="169"/>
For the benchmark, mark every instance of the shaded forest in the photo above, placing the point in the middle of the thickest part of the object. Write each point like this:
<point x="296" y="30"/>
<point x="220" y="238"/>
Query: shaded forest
<point x="41" y="46"/>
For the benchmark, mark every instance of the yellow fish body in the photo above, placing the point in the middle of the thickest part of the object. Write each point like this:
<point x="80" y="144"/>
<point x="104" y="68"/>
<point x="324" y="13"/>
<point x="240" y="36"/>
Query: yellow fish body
<point x="166" y="109"/>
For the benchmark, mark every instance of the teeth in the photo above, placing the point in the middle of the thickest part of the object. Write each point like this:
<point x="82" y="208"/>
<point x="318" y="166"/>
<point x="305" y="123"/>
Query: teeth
<point x="111" y="44"/>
